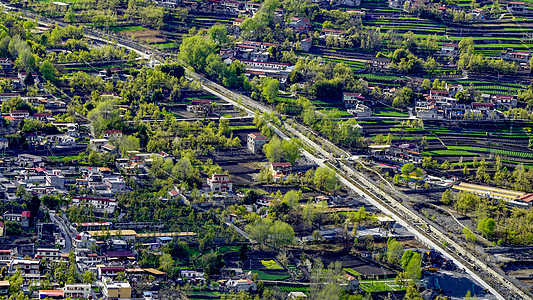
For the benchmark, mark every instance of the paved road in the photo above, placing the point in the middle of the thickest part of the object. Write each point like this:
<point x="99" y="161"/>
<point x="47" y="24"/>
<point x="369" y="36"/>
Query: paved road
<point x="385" y="210"/>
<point x="317" y="160"/>
<point x="64" y="231"/>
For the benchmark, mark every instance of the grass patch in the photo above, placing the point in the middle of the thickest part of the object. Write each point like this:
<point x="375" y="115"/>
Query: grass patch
<point x="227" y="249"/>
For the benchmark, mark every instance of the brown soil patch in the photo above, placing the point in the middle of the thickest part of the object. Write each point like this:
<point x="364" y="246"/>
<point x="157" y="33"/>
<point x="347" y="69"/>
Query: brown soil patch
<point x="148" y="36"/>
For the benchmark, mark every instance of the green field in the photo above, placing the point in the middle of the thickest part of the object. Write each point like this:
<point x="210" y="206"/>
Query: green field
<point x="448" y="153"/>
<point x="293" y="288"/>
<point x="389" y="112"/>
<point x="496" y="151"/>
<point x="171" y="45"/>
<point x="266" y="276"/>
<point x="126" y="28"/>
<point x="379" y="286"/>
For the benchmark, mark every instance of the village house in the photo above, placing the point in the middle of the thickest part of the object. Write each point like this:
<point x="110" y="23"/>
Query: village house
<point x="97" y="144"/>
<point x="300" y="25"/>
<point x="264" y="65"/>
<point x="280" y="170"/>
<point x="30" y="269"/>
<point x="245" y="285"/>
<point x="405" y="152"/>
<point x="220" y="183"/>
<point x="380" y="64"/>
<point x="448" y="49"/>
<point x="6" y="64"/>
<point x="108" y="148"/>
<point x="109" y="271"/>
<point x="331" y="32"/>
<point x="516" y="7"/>
<point x="196" y="276"/>
<point x="115" y="184"/>
<point x="255" y="142"/>
<point x="200" y="106"/>
<point x="4" y="143"/>
<point x="19" y="114"/>
<point x="306" y="44"/>
<point x="99" y="204"/>
<point x="360" y="111"/>
<point x="4" y="287"/>
<point x="22" y="218"/>
<point x="48" y="254"/>
<point x="112" y="134"/>
<point x="7" y="96"/>
<point x="77" y="290"/>
<point x="518" y="56"/>
<point x="116" y="290"/>
<point x="351" y="100"/>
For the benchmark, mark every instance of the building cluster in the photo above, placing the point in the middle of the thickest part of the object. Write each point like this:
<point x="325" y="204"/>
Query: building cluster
<point x="258" y="60"/>
<point x="441" y="105"/>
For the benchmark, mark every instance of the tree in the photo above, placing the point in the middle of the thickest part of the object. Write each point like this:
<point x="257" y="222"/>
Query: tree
<point x="466" y="202"/>
<point x="223" y="127"/>
<point x="88" y="277"/>
<point x="127" y="143"/>
<point x="486" y="226"/>
<point x="166" y="262"/>
<point x="195" y="50"/>
<point x="446" y="197"/>
<point x="70" y="15"/>
<point x="268" y="232"/>
<point x="325" y="179"/>
<point x="29" y="80"/>
<point x="469" y="235"/>
<point x="273" y="150"/>
<point x="394" y="251"/>
<point x="48" y="71"/>
<point x="269" y="89"/>
<point x="13" y="228"/>
<point x="413" y="269"/>
<point x="291" y="150"/>
<point x="219" y="34"/>
<point x="407" y="169"/>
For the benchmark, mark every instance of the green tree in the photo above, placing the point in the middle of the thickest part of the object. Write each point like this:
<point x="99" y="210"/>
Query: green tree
<point x="166" y="262"/>
<point x="394" y="251"/>
<point x="48" y="71"/>
<point x="219" y="34"/>
<point x="194" y="51"/>
<point x="325" y="179"/>
<point x="446" y="197"/>
<point x="486" y="226"/>
<point x="88" y="277"/>
<point x="269" y="89"/>
<point x="273" y="150"/>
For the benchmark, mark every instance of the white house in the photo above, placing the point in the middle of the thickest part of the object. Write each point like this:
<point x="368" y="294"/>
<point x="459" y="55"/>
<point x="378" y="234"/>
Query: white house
<point x="238" y="285"/>
<point x="77" y="290"/>
<point x="256" y="142"/>
<point x="48" y="254"/>
<point x="4" y="143"/>
<point x="220" y="183"/>
<point x="448" y="49"/>
<point x="99" y="204"/>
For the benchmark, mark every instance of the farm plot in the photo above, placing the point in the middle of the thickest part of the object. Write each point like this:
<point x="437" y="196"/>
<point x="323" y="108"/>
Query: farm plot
<point x="380" y="286"/>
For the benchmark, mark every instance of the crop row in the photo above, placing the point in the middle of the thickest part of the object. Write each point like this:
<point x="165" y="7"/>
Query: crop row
<point x="496" y="151"/>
